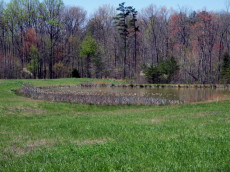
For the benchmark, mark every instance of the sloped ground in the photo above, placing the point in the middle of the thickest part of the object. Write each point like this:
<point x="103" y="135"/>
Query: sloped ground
<point x="45" y="136"/>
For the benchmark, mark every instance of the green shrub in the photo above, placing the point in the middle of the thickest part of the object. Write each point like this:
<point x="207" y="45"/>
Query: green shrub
<point x="75" y="74"/>
<point x="162" y="73"/>
<point x="225" y="69"/>
<point x="152" y="74"/>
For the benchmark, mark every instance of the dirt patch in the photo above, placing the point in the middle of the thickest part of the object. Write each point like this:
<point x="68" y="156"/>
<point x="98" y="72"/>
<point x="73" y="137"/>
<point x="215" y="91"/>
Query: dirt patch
<point x="113" y="112"/>
<point x="99" y="82"/>
<point x="16" y="149"/>
<point x="167" y="137"/>
<point x="51" y="142"/>
<point x="196" y="115"/>
<point x="3" y="133"/>
<point x="156" y="120"/>
<point x="128" y="111"/>
<point x="91" y="142"/>
<point x="162" y="118"/>
<point x="26" y="111"/>
<point x="205" y="114"/>
<point x="41" y="143"/>
<point x="23" y="99"/>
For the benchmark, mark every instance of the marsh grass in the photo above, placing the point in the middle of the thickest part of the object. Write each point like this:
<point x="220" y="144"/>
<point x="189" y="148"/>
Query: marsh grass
<point x="90" y="98"/>
<point x="37" y="135"/>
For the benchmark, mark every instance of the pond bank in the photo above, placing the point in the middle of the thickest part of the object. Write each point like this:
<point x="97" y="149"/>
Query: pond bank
<point x="213" y="86"/>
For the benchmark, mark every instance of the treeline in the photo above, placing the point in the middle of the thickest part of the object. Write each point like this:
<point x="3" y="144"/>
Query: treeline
<point x="50" y="40"/>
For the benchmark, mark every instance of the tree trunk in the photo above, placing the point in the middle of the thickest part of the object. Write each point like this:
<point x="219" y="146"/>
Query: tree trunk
<point x="88" y="66"/>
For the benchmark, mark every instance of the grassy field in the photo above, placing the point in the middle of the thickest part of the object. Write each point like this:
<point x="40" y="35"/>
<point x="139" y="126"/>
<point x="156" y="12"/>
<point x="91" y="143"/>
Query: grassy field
<point x="46" y="136"/>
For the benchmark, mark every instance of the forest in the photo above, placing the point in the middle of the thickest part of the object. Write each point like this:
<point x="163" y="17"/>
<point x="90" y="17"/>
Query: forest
<point x="46" y="39"/>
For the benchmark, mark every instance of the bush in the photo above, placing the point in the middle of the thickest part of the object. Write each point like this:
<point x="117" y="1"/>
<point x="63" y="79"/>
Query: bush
<point x="75" y="74"/>
<point x="152" y="74"/>
<point x="225" y="69"/>
<point x="162" y="73"/>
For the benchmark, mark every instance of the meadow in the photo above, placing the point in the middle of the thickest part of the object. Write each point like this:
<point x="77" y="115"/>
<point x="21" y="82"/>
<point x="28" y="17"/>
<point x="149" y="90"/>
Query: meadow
<point x="38" y="135"/>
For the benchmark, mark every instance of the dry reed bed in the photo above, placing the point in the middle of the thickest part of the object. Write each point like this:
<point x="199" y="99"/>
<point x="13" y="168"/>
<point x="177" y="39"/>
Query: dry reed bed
<point x="91" y="98"/>
<point x="222" y="86"/>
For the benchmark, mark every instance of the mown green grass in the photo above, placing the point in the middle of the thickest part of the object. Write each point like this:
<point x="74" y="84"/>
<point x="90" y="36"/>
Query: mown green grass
<point x="47" y="136"/>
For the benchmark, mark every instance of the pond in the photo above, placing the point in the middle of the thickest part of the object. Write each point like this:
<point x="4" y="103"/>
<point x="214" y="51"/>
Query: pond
<point x="187" y="95"/>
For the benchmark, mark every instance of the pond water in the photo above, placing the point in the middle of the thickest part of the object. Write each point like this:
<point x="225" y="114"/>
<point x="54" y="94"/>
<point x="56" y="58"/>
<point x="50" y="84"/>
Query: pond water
<point x="188" y="95"/>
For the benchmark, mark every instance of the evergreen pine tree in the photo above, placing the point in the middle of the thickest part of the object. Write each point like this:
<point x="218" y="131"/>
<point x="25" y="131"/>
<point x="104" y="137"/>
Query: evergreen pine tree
<point x="225" y="69"/>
